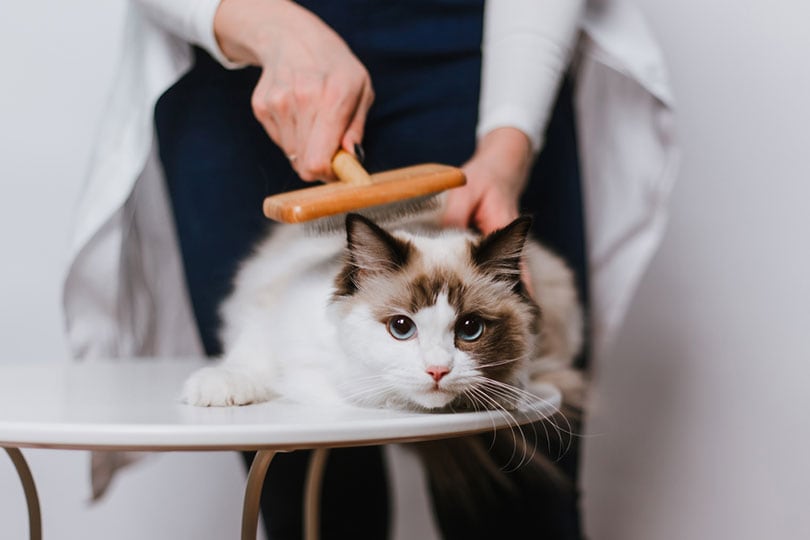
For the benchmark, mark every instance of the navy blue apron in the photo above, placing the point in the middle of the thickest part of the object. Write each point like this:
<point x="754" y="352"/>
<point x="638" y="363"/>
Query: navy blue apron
<point x="424" y="60"/>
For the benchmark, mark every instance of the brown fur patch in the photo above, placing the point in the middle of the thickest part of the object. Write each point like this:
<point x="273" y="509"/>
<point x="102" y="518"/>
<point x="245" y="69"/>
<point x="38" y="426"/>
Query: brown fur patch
<point x="425" y="289"/>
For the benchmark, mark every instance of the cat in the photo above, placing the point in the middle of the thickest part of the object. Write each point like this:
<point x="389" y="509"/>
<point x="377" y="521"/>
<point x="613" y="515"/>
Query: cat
<point x="426" y="319"/>
<point x="418" y="318"/>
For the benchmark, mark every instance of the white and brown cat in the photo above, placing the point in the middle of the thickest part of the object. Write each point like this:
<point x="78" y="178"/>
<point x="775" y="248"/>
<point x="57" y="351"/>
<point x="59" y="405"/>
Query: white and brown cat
<point x="416" y="318"/>
<point x="422" y="319"/>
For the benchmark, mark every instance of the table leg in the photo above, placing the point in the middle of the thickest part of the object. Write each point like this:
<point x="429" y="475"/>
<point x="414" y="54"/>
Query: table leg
<point x="253" y="493"/>
<point x="312" y="495"/>
<point x="31" y="498"/>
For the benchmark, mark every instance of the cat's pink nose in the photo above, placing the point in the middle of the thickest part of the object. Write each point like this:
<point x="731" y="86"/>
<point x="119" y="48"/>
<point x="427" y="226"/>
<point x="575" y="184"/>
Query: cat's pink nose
<point x="437" y="372"/>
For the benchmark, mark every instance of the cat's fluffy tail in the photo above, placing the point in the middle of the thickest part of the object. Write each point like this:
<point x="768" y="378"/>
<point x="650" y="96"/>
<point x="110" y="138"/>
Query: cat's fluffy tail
<point x="504" y="484"/>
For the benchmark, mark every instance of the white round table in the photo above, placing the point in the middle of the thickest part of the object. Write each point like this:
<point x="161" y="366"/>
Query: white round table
<point x="133" y="405"/>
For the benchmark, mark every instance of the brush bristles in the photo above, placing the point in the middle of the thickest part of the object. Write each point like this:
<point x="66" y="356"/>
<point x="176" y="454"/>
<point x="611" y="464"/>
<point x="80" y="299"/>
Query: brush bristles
<point x="384" y="214"/>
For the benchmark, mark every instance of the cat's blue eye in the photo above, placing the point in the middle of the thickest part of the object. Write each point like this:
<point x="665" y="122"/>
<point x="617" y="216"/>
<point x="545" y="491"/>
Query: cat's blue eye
<point x="469" y="328"/>
<point x="401" y="327"/>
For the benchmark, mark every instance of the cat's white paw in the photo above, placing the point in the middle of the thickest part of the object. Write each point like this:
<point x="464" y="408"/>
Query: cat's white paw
<point x="222" y="387"/>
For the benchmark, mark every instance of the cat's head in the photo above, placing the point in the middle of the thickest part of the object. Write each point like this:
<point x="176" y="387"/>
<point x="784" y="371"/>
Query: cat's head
<point x="434" y="320"/>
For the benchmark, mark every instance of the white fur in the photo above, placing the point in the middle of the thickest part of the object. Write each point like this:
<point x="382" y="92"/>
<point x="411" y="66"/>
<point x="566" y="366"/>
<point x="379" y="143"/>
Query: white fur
<point x="277" y="338"/>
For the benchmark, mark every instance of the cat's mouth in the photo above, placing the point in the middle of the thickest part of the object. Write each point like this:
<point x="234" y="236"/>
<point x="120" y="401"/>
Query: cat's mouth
<point x="434" y="398"/>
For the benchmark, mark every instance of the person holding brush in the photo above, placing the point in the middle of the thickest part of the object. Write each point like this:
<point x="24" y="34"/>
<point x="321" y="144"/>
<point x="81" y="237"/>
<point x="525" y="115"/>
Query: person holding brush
<point x="253" y="97"/>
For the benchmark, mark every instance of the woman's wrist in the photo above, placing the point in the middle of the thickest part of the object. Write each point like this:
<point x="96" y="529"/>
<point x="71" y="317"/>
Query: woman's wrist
<point x="507" y="151"/>
<point x="243" y="27"/>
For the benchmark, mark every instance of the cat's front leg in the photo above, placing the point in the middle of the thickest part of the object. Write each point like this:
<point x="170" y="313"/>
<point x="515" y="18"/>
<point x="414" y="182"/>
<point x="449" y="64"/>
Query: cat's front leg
<point x="226" y="385"/>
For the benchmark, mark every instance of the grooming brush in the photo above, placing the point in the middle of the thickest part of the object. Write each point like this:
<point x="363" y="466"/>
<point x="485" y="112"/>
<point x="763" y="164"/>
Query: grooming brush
<point x="383" y="197"/>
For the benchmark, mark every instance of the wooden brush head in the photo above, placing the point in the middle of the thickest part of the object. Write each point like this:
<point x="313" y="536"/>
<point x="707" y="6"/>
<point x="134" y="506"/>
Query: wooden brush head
<point x="357" y="190"/>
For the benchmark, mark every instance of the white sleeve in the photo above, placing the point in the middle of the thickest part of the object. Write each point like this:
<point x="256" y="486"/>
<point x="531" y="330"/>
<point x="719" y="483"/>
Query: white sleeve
<point x="527" y="45"/>
<point x="190" y="20"/>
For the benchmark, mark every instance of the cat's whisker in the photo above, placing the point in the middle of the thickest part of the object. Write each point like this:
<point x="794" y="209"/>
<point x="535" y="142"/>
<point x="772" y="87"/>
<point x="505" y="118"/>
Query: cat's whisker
<point x="476" y="395"/>
<point x="510" y="394"/>
<point x="530" y="400"/>
<point x="371" y="397"/>
<point x="492" y="404"/>
<point x="502" y="362"/>
<point x="466" y="393"/>
<point x="527" y="455"/>
<point x="512" y="424"/>
<point x="550" y="419"/>
<point x="371" y="389"/>
<point x="527" y="399"/>
<point x="500" y="390"/>
<point x="479" y="400"/>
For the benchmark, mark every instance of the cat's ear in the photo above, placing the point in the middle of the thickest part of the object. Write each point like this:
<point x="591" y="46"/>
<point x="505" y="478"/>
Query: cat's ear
<point x="371" y="249"/>
<point x="499" y="252"/>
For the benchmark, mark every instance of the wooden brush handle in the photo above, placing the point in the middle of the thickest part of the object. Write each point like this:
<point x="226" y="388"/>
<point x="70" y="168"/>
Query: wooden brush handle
<point x="348" y="169"/>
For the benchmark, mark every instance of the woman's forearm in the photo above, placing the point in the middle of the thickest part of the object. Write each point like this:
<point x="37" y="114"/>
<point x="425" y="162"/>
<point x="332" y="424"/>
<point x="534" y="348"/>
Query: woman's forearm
<point x="527" y="46"/>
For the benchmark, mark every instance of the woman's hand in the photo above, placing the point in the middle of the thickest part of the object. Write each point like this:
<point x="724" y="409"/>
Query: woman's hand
<point x="313" y="94"/>
<point x="496" y="176"/>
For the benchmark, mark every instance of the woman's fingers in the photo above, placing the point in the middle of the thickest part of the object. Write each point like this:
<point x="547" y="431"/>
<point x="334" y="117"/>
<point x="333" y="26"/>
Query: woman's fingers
<point x="309" y="92"/>
<point x="357" y="124"/>
<point x="459" y="208"/>
<point x="335" y="121"/>
<point x="274" y="107"/>
<point x="495" y="213"/>
<point x="485" y="209"/>
<point x="313" y="94"/>
<point x="312" y="115"/>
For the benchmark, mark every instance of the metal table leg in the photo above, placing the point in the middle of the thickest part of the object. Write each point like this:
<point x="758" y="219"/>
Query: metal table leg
<point x="312" y="493"/>
<point x="253" y="493"/>
<point x="31" y="498"/>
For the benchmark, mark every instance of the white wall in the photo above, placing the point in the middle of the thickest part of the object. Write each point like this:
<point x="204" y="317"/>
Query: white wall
<point x="699" y="429"/>
<point x="701" y="426"/>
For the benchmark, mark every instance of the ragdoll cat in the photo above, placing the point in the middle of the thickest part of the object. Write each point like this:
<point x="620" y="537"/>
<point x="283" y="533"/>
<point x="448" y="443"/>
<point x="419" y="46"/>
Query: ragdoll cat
<point x="422" y="319"/>
<point x="417" y="318"/>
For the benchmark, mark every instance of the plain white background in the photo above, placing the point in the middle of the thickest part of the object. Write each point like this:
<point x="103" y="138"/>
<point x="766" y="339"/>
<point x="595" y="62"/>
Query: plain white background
<point x="699" y="428"/>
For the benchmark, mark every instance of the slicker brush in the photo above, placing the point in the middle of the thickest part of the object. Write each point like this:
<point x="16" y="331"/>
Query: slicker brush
<point x="384" y="197"/>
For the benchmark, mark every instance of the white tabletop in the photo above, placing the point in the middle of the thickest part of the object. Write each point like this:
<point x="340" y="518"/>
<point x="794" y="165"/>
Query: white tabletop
<point x="133" y="405"/>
